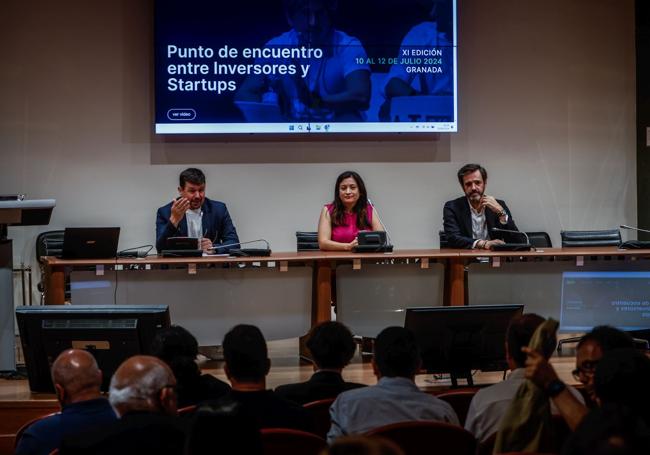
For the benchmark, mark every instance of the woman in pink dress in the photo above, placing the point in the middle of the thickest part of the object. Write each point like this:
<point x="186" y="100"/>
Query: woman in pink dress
<point x="349" y="213"/>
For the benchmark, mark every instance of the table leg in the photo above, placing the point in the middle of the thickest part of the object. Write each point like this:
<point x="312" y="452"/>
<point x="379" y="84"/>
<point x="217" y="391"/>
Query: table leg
<point x="54" y="285"/>
<point x="322" y="301"/>
<point x="455" y="280"/>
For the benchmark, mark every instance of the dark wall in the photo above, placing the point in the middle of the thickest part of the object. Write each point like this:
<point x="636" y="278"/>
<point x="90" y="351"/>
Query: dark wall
<point x="643" y="113"/>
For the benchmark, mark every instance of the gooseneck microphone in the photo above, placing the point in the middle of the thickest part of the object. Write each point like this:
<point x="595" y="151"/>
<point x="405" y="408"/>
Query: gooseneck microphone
<point x="511" y="231"/>
<point x="388" y="239"/>
<point x="239" y="252"/>
<point x="625" y="226"/>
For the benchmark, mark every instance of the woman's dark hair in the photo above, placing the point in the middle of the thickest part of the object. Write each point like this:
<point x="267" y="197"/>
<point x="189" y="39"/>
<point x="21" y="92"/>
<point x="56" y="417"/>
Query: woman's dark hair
<point x="359" y="209"/>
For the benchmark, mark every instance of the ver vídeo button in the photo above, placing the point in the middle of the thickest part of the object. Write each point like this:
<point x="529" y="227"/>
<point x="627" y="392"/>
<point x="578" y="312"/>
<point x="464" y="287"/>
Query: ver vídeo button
<point x="181" y="114"/>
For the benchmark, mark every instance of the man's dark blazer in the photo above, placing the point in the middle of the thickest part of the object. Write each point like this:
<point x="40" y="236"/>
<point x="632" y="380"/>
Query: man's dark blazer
<point x="135" y="433"/>
<point x="217" y="225"/>
<point x="457" y="220"/>
<point x="321" y="385"/>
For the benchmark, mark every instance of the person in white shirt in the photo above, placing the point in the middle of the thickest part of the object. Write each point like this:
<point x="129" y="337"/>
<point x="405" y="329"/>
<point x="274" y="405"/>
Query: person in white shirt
<point x="490" y="404"/>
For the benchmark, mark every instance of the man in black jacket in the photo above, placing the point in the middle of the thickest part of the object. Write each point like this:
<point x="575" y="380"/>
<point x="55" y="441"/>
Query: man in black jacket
<point x="247" y="364"/>
<point x="332" y="347"/>
<point x="469" y="221"/>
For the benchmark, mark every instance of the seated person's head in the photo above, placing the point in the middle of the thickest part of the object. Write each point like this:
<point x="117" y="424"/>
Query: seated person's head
<point x="246" y="356"/>
<point x="622" y="378"/>
<point x="396" y="353"/>
<point x="590" y="350"/>
<point x="143" y="383"/>
<point x="224" y="424"/>
<point x="331" y="345"/>
<point x="177" y="348"/>
<point x="518" y="335"/>
<point x="621" y="426"/>
<point x="362" y="445"/>
<point x="76" y="376"/>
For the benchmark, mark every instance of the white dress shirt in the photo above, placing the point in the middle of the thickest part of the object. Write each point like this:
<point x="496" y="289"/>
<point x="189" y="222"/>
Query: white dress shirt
<point x="194" y="223"/>
<point x="479" y="225"/>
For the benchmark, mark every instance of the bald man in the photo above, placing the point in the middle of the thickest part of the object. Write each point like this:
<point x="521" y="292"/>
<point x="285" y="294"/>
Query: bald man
<point x="143" y="393"/>
<point x="76" y="380"/>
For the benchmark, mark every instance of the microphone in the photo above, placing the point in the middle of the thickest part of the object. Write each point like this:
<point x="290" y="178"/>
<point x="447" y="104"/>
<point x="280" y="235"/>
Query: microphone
<point x="634" y="244"/>
<point x="388" y="239"/>
<point x="625" y="226"/>
<point x="246" y="251"/>
<point x="510" y="231"/>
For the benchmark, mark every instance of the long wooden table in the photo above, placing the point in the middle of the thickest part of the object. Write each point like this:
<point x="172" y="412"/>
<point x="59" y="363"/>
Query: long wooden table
<point x="324" y="262"/>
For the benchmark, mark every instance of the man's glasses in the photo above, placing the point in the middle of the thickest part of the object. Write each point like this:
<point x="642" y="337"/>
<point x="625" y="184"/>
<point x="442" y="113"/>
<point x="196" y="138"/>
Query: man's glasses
<point x="588" y="368"/>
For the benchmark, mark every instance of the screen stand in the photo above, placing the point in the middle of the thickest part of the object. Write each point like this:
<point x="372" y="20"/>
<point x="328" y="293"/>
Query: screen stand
<point x="7" y="336"/>
<point x="467" y="375"/>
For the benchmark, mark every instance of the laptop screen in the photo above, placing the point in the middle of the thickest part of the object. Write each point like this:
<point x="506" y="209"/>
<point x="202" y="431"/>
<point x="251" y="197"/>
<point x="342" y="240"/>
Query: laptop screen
<point x="90" y="243"/>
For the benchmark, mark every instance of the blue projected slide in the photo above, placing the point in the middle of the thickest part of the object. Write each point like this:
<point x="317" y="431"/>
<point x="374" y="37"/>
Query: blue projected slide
<point x="619" y="299"/>
<point x="305" y="66"/>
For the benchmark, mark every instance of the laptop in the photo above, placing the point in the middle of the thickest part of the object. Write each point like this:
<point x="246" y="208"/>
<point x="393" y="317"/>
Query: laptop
<point x="90" y="243"/>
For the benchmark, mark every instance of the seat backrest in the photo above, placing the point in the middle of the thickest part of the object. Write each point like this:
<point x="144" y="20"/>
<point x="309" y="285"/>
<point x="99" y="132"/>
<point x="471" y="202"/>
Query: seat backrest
<point x="320" y="410"/>
<point x="444" y="243"/>
<point x="285" y="441"/>
<point x="49" y="243"/>
<point x="21" y="430"/>
<point x="306" y="241"/>
<point x="460" y="401"/>
<point x="540" y="239"/>
<point x="427" y="437"/>
<point x="611" y="237"/>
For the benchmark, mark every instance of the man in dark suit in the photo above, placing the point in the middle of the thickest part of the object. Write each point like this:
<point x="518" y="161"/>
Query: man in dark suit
<point x="470" y="219"/>
<point x="332" y="347"/>
<point x="194" y="215"/>
<point x="247" y="364"/>
<point x="142" y="392"/>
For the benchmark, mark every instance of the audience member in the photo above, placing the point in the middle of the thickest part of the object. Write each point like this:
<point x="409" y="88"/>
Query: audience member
<point x="142" y="392"/>
<point x="395" y="398"/>
<point x="362" y="445"/>
<point x="77" y="381"/>
<point x="490" y="404"/>
<point x="332" y="347"/>
<point x="226" y="428"/>
<point x="621" y="424"/>
<point x="178" y="348"/>
<point x="247" y="364"/>
<point x="590" y="350"/>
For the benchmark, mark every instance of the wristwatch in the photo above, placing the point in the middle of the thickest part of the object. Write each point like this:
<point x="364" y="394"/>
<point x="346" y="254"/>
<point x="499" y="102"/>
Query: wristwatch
<point x="555" y="387"/>
<point x="501" y="213"/>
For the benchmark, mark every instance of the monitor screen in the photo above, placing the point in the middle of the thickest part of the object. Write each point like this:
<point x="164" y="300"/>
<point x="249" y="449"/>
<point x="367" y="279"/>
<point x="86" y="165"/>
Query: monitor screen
<point x="305" y="66"/>
<point x="464" y="338"/>
<point x="619" y="299"/>
<point x="112" y="333"/>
